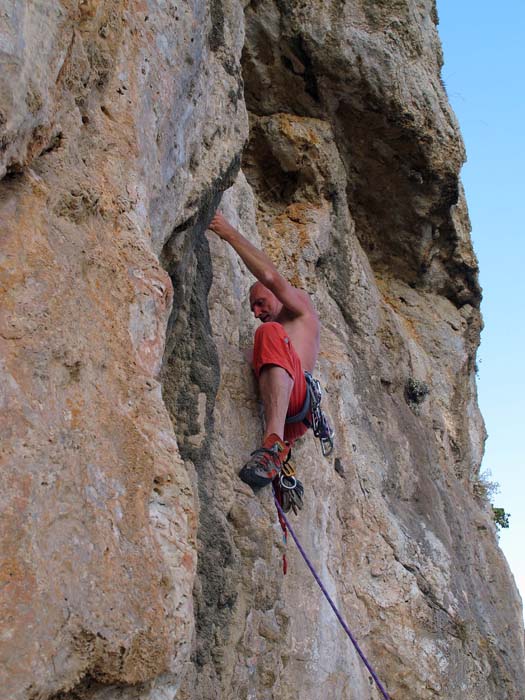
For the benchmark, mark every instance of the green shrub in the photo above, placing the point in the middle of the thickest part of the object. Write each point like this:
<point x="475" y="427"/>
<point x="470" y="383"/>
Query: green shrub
<point x="485" y="490"/>
<point x="500" y="517"/>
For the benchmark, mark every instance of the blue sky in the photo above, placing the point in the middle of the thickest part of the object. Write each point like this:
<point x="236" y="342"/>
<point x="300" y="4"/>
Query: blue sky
<point x="484" y="74"/>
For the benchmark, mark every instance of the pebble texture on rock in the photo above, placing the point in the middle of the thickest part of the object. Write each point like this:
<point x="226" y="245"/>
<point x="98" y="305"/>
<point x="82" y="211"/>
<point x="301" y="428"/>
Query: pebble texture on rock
<point x="134" y="562"/>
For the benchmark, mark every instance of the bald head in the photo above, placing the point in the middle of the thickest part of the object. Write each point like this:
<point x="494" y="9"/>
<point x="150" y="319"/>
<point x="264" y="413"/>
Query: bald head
<point x="264" y="303"/>
<point x="255" y="286"/>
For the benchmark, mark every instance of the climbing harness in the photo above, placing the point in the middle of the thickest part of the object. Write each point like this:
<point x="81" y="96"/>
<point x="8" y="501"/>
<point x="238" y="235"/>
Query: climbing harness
<point x="314" y="417"/>
<point x="286" y="525"/>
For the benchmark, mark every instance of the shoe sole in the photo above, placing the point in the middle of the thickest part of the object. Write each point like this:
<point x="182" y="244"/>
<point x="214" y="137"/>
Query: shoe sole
<point x="252" y="479"/>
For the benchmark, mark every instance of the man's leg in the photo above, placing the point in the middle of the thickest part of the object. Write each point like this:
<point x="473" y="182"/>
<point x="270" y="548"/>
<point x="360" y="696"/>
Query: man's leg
<point x="275" y="386"/>
<point x="271" y="355"/>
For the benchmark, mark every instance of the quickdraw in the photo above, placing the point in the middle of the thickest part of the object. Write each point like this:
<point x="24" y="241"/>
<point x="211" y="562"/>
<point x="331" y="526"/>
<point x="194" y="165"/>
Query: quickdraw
<point x="288" y="492"/>
<point x="314" y="417"/>
<point x="288" y="469"/>
<point x="320" y="425"/>
<point x="291" y="489"/>
<point x="287" y="478"/>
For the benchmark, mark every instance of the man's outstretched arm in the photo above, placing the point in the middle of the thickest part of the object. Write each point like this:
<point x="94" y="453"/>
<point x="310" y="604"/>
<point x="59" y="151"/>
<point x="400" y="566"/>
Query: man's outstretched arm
<point x="262" y="267"/>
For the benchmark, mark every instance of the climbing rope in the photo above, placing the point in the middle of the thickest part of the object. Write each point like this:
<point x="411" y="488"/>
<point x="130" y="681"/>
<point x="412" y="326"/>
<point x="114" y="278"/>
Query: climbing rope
<point x="283" y="519"/>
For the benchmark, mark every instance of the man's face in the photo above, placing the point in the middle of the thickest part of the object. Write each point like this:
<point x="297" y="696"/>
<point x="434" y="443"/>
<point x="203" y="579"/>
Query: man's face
<point x="264" y="304"/>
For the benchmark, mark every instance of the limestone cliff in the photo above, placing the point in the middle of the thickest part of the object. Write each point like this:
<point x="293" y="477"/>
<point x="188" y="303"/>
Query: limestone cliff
<point x="135" y="564"/>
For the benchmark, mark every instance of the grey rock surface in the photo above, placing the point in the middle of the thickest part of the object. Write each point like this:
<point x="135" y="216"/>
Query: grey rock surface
<point x="135" y="564"/>
<point x="132" y="136"/>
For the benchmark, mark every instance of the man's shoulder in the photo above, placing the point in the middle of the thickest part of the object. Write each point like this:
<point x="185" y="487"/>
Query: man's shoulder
<point x="309" y="317"/>
<point x="309" y="307"/>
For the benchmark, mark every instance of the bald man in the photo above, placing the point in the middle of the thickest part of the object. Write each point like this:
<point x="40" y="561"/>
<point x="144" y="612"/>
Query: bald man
<point x="285" y="345"/>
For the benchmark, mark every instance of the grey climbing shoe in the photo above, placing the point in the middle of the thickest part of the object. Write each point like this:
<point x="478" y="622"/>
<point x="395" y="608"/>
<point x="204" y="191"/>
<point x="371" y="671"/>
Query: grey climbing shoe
<point x="266" y="462"/>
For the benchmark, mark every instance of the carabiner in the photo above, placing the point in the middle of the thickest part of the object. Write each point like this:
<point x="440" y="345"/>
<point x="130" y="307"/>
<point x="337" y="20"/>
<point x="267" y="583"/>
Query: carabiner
<point x="291" y="479"/>
<point x="288" y="469"/>
<point x="327" y="446"/>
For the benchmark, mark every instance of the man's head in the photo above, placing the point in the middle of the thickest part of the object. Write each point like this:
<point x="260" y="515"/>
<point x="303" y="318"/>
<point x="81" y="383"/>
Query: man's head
<point x="264" y="303"/>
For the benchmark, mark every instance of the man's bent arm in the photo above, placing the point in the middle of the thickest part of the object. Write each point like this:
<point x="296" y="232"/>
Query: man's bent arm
<point x="262" y="267"/>
<point x="255" y="260"/>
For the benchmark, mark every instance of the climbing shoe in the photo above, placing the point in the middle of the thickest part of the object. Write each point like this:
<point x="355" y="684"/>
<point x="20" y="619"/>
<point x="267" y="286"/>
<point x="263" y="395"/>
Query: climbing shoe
<point x="266" y="462"/>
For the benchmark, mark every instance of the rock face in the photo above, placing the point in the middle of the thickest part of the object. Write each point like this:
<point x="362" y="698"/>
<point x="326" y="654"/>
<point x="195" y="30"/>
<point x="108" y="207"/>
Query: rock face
<point x="135" y="564"/>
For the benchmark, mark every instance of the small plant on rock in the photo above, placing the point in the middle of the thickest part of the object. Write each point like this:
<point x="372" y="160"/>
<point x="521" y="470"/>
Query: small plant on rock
<point x="485" y="489"/>
<point x="483" y="486"/>
<point x="416" y="392"/>
<point x="501" y="518"/>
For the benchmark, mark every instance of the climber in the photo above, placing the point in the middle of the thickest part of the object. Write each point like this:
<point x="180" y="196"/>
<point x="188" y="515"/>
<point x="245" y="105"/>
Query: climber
<point x="285" y="345"/>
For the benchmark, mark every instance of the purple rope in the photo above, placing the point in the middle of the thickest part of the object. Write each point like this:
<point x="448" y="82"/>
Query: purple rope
<point x="332" y="604"/>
